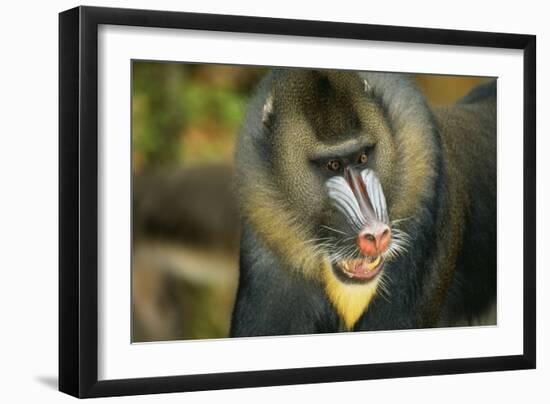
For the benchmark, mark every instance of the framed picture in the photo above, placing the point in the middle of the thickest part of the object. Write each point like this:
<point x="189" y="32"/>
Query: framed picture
<point x="252" y="202"/>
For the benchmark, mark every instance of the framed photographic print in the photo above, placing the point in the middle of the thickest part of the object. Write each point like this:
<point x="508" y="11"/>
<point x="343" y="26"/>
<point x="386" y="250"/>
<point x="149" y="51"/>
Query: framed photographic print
<point x="250" y="201"/>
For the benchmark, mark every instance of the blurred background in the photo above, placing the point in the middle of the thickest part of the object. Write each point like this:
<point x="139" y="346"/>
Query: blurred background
<point x="185" y="118"/>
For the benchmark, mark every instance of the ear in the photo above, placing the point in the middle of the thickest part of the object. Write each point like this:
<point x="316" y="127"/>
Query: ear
<point x="367" y="87"/>
<point x="267" y="111"/>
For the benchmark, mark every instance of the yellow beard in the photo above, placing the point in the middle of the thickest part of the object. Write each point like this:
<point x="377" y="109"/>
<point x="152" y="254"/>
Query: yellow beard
<point x="350" y="300"/>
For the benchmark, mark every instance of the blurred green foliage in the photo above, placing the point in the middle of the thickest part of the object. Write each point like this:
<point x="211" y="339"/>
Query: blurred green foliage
<point x="177" y="108"/>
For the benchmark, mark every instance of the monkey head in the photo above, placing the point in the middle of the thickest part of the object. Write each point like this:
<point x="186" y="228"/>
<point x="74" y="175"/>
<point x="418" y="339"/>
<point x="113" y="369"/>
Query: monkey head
<point x="328" y="166"/>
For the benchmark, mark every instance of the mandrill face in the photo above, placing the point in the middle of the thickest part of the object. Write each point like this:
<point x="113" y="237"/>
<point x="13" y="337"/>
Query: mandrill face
<point x="338" y="165"/>
<point x="363" y="239"/>
<point x="357" y="234"/>
<point x="334" y="149"/>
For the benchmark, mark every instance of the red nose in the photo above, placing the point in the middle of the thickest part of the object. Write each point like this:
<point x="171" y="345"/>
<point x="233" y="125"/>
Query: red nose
<point x="372" y="243"/>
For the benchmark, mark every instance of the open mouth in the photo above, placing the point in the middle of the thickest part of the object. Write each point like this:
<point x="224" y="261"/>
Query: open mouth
<point x="363" y="269"/>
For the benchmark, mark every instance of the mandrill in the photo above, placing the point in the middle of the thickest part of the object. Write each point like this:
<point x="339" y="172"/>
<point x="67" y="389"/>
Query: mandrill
<point x="362" y="207"/>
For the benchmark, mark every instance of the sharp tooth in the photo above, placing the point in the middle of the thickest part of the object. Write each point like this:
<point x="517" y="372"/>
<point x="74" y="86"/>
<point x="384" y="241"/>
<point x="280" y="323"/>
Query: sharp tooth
<point x="345" y="266"/>
<point x="373" y="264"/>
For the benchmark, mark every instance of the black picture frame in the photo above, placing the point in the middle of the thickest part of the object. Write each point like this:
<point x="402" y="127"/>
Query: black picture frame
<point x="78" y="200"/>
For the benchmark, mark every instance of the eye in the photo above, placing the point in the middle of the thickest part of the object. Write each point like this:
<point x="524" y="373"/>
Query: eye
<point x="363" y="158"/>
<point x="334" y="165"/>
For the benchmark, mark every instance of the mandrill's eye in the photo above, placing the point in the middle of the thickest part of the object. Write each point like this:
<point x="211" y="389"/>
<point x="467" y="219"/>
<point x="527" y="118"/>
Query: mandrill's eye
<point x="334" y="165"/>
<point x="363" y="158"/>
